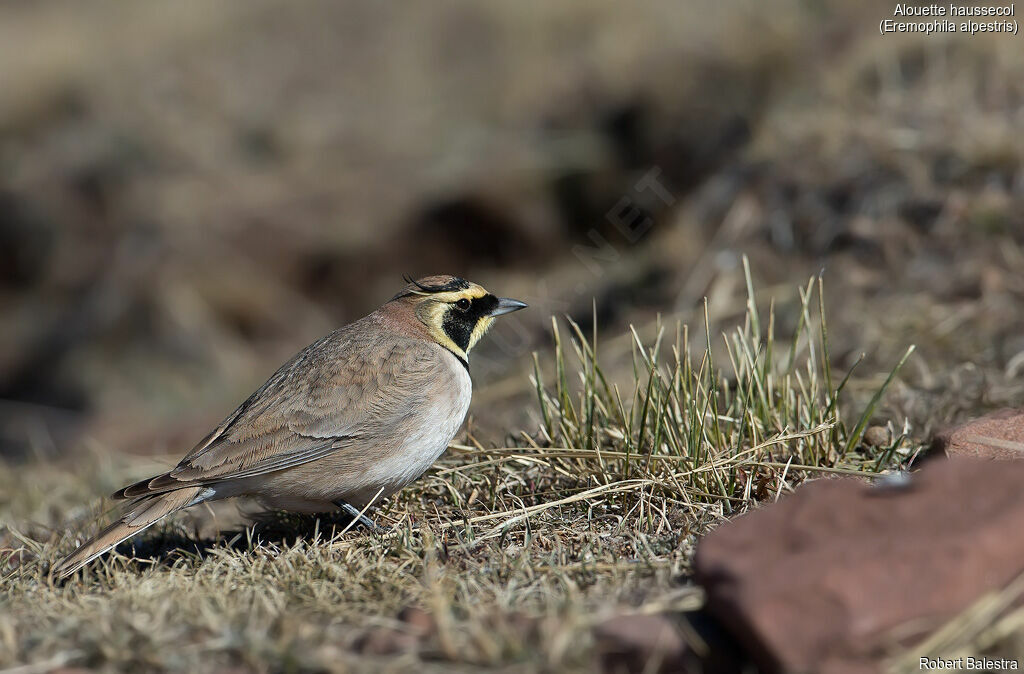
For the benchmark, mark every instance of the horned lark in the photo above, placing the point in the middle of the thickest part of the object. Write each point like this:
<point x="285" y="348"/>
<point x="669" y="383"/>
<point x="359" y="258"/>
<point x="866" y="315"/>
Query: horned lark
<point x="353" y="417"/>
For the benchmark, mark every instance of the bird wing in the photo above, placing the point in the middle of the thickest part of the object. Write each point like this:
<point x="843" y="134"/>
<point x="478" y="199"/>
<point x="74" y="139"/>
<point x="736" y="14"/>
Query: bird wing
<point x="342" y="391"/>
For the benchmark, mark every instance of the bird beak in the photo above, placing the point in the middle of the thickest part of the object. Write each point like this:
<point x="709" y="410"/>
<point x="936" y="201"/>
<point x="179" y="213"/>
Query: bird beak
<point x="507" y="305"/>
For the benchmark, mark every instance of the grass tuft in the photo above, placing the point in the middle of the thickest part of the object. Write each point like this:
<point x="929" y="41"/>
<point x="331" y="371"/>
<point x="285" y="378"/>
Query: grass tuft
<point x="700" y="437"/>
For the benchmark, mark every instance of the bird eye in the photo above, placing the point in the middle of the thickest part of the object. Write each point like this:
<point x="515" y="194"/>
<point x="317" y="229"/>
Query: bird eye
<point x="462" y="304"/>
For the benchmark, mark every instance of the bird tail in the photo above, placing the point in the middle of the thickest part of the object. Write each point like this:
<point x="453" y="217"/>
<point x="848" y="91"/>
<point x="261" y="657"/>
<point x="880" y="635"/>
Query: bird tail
<point x="141" y="515"/>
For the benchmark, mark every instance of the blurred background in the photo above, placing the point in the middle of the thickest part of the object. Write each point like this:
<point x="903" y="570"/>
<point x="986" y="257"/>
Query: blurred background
<point x="190" y="192"/>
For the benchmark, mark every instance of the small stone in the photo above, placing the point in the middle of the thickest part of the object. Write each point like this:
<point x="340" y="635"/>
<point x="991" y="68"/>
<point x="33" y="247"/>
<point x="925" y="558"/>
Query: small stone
<point x="387" y="641"/>
<point x="877" y="436"/>
<point x="419" y="621"/>
<point x="14" y="559"/>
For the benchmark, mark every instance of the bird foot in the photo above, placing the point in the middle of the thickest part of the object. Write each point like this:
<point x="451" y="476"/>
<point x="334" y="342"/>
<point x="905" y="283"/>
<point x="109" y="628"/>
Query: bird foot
<point x="360" y="518"/>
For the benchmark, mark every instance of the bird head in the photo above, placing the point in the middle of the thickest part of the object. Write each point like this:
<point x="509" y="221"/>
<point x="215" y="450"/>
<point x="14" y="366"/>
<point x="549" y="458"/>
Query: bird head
<point x="456" y="312"/>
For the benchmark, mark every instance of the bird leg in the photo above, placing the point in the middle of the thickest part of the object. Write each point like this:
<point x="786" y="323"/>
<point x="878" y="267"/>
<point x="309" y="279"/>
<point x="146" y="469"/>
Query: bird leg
<point x="359" y="517"/>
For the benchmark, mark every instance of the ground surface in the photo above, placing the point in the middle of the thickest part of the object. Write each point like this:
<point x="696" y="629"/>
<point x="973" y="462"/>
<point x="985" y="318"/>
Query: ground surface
<point x="193" y="196"/>
<point x="499" y="557"/>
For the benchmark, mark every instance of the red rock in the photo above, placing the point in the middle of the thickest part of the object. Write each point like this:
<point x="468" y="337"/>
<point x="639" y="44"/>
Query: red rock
<point x="819" y="581"/>
<point x="387" y="641"/>
<point x="419" y="621"/>
<point x="638" y="643"/>
<point x="999" y="435"/>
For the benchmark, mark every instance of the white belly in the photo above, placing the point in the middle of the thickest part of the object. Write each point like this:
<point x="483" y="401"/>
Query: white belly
<point x="422" y="446"/>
